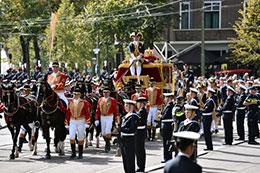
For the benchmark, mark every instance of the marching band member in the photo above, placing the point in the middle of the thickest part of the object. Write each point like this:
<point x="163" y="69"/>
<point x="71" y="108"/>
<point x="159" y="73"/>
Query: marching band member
<point x="154" y="95"/>
<point x="57" y="81"/>
<point x="106" y="113"/>
<point x="136" y="49"/>
<point x="78" y="118"/>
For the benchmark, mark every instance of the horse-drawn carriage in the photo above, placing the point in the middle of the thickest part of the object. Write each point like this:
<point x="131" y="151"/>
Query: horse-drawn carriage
<point x="152" y="66"/>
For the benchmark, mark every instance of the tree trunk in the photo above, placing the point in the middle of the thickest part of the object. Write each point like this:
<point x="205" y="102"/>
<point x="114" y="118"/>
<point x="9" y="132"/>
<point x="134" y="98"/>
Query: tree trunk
<point x="24" y="40"/>
<point x="36" y="50"/>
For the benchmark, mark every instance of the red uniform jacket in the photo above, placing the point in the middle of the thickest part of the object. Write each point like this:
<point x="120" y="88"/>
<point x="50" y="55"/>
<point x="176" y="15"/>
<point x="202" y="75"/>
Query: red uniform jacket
<point x="77" y="111"/>
<point x="107" y="107"/>
<point x="58" y="80"/>
<point x="154" y="96"/>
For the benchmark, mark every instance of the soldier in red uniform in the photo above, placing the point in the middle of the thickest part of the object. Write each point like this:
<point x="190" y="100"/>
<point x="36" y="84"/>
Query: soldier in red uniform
<point x="154" y="95"/>
<point x="57" y="81"/>
<point x="78" y="118"/>
<point x="106" y="113"/>
<point x="139" y="93"/>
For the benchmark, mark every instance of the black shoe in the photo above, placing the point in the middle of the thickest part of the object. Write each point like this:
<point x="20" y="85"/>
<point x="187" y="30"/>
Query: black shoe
<point x="80" y="148"/>
<point x="208" y="149"/>
<point x="253" y="143"/>
<point x="73" y="156"/>
<point x="239" y="139"/>
<point x="163" y="161"/>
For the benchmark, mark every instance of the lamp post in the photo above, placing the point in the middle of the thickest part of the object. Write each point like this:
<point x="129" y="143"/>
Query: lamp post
<point x="202" y="65"/>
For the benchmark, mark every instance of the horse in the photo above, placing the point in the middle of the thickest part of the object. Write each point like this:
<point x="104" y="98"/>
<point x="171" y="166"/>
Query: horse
<point x="52" y="114"/>
<point x="19" y="111"/>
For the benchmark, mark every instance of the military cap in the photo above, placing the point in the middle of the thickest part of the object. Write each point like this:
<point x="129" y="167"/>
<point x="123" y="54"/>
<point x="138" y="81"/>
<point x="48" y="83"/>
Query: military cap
<point x="211" y="90"/>
<point x="243" y="87"/>
<point x="187" y="135"/>
<point x="190" y="107"/>
<point x="131" y="102"/>
<point x="55" y="64"/>
<point x="194" y="90"/>
<point x="141" y="99"/>
<point x="138" y="86"/>
<point x="76" y="90"/>
<point x="106" y="89"/>
<point x="168" y="94"/>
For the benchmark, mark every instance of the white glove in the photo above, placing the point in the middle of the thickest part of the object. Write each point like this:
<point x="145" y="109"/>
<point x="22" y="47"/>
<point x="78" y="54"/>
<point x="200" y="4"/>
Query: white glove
<point x="86" y="126"/>
<point x="53" y="86"/>
<point x="67" y="126"/>
<point x="96" y="123"/>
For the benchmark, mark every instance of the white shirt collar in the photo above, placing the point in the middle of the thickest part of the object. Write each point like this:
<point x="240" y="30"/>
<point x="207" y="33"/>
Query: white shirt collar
<point x="183" y="154"/>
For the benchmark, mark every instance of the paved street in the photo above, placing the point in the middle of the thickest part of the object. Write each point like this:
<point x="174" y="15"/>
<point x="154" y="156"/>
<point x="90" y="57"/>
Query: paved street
<point x="237" y="158"/>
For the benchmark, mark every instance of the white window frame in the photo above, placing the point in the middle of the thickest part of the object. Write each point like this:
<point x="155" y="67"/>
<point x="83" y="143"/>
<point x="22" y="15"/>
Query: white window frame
<point x="211" y="9"/>
<point x="184" y="11"/>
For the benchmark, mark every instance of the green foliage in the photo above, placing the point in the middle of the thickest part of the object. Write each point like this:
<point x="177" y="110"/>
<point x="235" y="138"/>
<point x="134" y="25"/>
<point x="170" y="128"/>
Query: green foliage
<point x="246" y="47"/>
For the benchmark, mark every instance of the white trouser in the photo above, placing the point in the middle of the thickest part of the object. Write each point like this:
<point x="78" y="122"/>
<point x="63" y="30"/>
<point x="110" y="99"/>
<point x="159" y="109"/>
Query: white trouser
<point x="62" y="97"/>
<point x="77" y="126"/>
<point x="135" y="68"/>
<point x="106" y="124"/>
<point x="152" y="115"/>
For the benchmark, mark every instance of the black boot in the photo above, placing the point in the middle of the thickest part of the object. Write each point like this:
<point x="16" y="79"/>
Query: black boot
<point x="149" y="134"/>
<point x="153" y="134"/>
<point x="80" y="151"/>
<point x="107" y="147"/>
<point x="20" y="145"/>
<point x="73" y="151"/>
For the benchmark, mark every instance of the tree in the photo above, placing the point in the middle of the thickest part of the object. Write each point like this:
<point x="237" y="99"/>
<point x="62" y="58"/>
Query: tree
<point x="246" y="46"/>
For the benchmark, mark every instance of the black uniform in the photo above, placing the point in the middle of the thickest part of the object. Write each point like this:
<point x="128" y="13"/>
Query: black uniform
<point x="252" y="116"/>
<point x="182" y="164"/>
<point x="206" y="120"/>
<point x="178" y="116"/>
<point x="128" y="130"/>
<point x="195" y="102"/>
<point x="166" y="130"/>
<point x="240" y="115"/>
<point x="140" y="137"/>
<point x="191" y="125"/>
<point x="228" y="112"/>
<point x="141" y="48"/>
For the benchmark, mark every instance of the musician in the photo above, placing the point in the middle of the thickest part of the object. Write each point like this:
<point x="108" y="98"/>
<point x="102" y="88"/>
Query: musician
<point x="136" y="49"/>
<point x="106" y="113"/>
<point x="141" y="134"/>
<point x="138" y="93"/>
<point x="78" y="118"/>
<point x="182" y="163"/>
<point x="57" y="81"/>
<point x="154" y="95"/>
<point x="166" y="126"/>
<point x="128" y="130"/>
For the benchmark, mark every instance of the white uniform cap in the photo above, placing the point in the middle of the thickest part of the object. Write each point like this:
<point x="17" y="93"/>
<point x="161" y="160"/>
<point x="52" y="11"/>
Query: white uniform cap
<point x="194" y="90"/>
<point x="127" y="101"/>
<point x="188" y="106"/>
<point x="168" y="94"/>
<point x="243" y="87"/>
<point x="211" y="90"/>
<point x="231" y="89"/>
<point x="187" y="135"/>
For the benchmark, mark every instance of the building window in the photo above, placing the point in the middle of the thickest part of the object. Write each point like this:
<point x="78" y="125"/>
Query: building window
<point x="185" y="15"/>
<point x="212" y="16"/>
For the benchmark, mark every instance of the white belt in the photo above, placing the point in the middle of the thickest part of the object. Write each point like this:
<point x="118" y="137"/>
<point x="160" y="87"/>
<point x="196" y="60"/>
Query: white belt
<point x="167" y="121"/>
<point x="127" y="134"/>
<point x="210" y="113"/>
<point x="241" y="108"/>
<point x="141" y="127"/>
<point x="227" y="111"/>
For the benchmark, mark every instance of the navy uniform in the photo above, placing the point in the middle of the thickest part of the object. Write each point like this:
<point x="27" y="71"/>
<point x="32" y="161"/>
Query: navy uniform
<point x="178" y="113"/>
<point x="228" y="112"/>
<point x="252" y="102"/>
<point x="189" y="124"/>
<point x="240" y="113"/>
<point x="166" y="127"/>
<point x="208" y="110"/>
<point x="140" y="136"/>
<point x="195" y="102"/>
<point x="128" y="130"/>
<point x="182" y="163"/>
